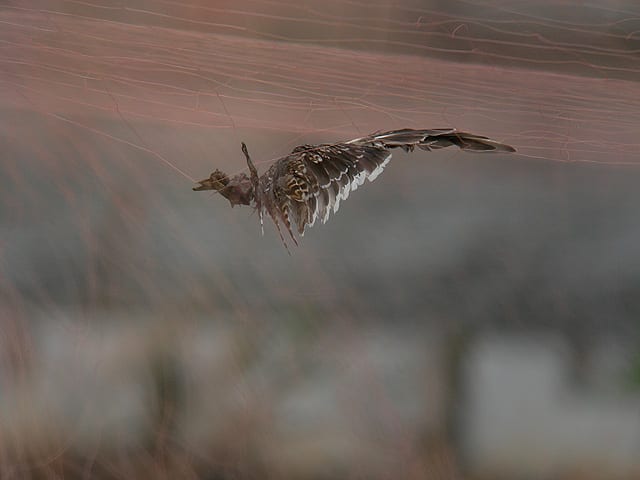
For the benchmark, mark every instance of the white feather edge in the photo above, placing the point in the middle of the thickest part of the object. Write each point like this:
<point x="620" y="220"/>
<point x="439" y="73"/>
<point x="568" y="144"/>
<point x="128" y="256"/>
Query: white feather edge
<point x="343" y="193"/>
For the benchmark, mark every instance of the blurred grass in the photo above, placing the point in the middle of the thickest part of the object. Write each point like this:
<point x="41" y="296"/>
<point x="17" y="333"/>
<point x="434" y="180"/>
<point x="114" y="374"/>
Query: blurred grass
<point x="130" y="305"/>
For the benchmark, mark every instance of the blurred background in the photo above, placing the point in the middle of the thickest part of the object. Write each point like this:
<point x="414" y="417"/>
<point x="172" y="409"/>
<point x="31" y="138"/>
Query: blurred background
<point x="465" y="316"/>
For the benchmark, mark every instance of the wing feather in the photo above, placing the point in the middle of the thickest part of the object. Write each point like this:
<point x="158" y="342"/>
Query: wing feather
<point x="316" y="179"/>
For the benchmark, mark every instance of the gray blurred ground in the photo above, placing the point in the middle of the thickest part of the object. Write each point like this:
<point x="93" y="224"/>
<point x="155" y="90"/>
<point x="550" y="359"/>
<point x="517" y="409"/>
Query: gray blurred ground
<point x="462" y="315"/>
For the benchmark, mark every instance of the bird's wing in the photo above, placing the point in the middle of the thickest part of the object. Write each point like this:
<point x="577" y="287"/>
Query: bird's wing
<point x="310" y="183"/>
<point x="432" y="139"/>
<point x="317" y="178"/>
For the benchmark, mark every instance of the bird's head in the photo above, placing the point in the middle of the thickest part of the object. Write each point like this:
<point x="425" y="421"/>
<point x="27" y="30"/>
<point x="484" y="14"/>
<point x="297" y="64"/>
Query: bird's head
<point x="238" y="189"/>
<point x="216" y="181"/>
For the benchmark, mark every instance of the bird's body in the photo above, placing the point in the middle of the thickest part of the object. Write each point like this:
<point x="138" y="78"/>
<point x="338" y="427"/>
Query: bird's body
<point x="310" y="182"/>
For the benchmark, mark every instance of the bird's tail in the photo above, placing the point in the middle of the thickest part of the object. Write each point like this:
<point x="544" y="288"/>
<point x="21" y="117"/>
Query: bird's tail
<point x="433" y="139"/>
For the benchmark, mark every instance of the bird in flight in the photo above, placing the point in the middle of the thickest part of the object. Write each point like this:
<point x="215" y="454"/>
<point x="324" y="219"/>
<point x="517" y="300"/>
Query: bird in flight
<point x="309" y="183"/>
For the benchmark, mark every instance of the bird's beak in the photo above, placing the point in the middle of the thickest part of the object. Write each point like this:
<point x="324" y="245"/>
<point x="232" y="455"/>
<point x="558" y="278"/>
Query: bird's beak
<point x="205" y="184"/>
<point x="216" y="181"/>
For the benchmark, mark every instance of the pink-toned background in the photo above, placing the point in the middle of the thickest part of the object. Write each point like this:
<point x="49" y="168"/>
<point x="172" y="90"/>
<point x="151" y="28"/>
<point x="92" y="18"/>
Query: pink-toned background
<point x="465" y="315"/>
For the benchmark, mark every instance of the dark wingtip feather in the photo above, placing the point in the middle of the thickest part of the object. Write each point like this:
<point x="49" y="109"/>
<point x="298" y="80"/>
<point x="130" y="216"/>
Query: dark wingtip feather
<point x="493" y="146"/>
<point x="434" y="139"/>
<point x="478" y="143"/>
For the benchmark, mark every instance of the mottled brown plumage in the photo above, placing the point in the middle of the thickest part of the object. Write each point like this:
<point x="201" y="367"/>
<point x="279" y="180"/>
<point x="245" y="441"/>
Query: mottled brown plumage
<point x="310" y="182"/>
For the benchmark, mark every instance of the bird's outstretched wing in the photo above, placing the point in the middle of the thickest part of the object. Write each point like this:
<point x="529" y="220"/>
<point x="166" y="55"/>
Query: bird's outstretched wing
<point x="315" y="179"/>
<point x="433" y="139"/>
<point x="311" y="182"/>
